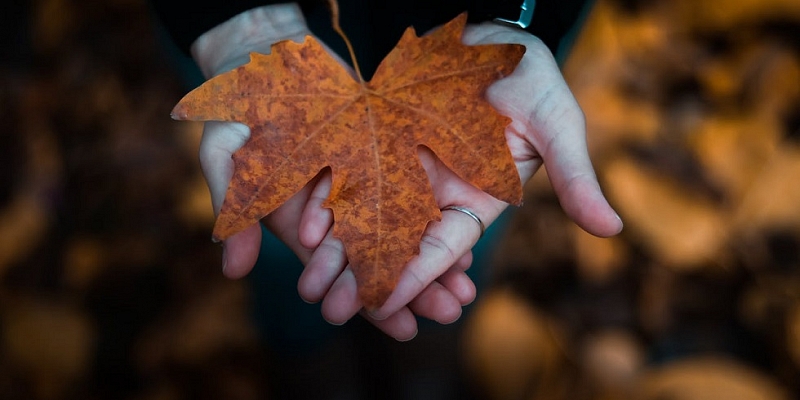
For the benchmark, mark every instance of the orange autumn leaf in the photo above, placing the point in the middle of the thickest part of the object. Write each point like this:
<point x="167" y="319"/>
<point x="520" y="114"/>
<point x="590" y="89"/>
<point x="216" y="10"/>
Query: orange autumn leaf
<point x="306" y="112"/>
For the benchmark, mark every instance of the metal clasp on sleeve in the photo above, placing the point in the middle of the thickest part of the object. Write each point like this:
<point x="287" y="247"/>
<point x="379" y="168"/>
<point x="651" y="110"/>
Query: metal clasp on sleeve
<point x="525" y="16"/>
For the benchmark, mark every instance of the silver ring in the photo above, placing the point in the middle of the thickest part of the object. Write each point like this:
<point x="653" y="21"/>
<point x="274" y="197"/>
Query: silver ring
<point x="470" y="214"/>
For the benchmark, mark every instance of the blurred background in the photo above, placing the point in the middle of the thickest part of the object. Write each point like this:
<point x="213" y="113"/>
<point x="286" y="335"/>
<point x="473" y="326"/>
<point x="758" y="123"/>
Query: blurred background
<point x="111" y="289"/>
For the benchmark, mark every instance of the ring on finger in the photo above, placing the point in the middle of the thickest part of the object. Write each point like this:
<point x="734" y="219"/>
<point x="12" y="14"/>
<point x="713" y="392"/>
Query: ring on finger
<point x="469" y="213"/>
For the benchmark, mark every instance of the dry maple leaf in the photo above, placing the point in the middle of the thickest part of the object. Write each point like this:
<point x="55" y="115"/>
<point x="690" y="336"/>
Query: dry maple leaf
<point x="307" y="112"/>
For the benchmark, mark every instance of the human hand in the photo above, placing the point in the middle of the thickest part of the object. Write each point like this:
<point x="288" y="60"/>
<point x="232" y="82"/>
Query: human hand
<point x="548" y="127"/>
<point x="219" y="50"/>
<point x="301" y="223"/>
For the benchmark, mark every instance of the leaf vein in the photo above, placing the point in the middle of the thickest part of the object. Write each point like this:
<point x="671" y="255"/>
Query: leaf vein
<point x="471" y="150"/>
<point x="383" y="90"/>
<point x="288" y="158"/>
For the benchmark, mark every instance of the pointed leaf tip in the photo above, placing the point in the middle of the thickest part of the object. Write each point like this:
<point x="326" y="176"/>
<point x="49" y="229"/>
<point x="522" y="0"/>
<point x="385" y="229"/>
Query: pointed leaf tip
<point x="179" y="112"/>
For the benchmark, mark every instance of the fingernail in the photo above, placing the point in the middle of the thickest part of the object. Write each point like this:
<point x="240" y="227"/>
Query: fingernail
<point x="307" y="301"/>
<point x="409" y="339"/>
<point x="333" y="323"/>
<point x="374" y="314"/>
<point x="451" y="320"/>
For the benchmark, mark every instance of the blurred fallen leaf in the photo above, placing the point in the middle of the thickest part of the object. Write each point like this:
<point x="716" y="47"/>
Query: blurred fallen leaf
<point x="793" y="332"/>
<point x="50" y="341"/>
<point x="734" y="152"/>
<point x="682" y="229"/>
<point x="772" y="199"/>
<point x="708" y="378"/>
<point x="84" y="260"/>
<point x="599" y="259"/>
<point x="512" y="349"/>
<point x="192" y="332"/>
<point x="613" y="359"/>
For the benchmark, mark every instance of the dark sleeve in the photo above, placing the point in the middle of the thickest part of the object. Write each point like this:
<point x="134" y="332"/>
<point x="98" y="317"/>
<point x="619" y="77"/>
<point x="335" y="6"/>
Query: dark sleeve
<point x="552" y="19"/>
<point x="186" y="20"/>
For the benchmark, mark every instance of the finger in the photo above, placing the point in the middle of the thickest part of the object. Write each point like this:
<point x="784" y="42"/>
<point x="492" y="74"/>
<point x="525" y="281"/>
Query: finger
<point x="464" y="262"/>
<point x="284" y="221"/>
<point x="561" y="140"/>
<point x="437" y="303"/>
<point x="449" y="189"/>
<point x="447" y="241"/>
<point x="459" y="284"/>
<point x="442" y="245"/>
<point x="322" y="269"/>
<point x="569" y="168"/>
<point x="435" y="300"/>
<point x="341" y="302"/>
<point x="220" y="140"/>
<point x="316" y="220"/>
<point x="547" y="119"/>
<point x="402" y="325"/>
<point x="240" y="252"/>
<point x="582" y="199"/>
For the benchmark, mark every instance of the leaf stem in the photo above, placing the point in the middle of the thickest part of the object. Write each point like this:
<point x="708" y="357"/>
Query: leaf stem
<point x="334" y="5"/>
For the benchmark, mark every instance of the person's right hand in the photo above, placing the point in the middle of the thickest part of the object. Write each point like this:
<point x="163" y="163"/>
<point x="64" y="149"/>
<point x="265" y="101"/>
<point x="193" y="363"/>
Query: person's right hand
<point x="548" y="128"/>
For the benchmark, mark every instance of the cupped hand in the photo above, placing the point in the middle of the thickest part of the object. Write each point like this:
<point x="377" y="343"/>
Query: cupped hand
<point x="548" y="127"/>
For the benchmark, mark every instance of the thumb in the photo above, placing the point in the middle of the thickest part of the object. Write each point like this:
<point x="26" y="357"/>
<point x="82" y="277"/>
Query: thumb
<point x="562" y="141"/>
<point x="220" y="140"/>
<point x="552" y="125"/>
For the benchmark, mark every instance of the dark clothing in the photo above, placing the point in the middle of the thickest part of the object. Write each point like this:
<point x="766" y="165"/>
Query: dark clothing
<point x="373" y="26"/>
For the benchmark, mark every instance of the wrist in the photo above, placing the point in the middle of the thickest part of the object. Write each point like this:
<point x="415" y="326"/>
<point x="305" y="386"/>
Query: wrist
<point x="229" y="44"/>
